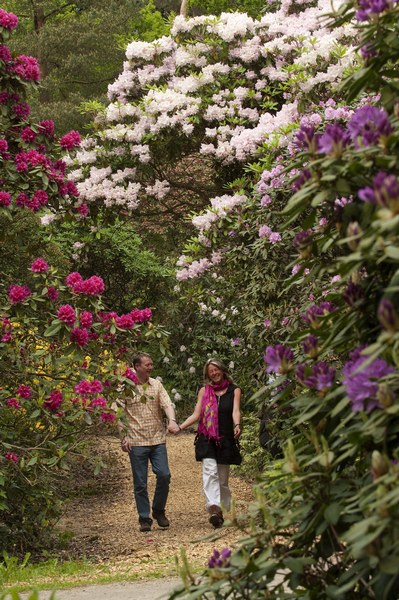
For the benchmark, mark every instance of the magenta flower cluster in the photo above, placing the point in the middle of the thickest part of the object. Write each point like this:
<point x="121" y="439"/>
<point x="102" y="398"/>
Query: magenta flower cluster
<point x="94" y="286"/>
<point x="86" y="388"/>
<point x="67" y="314"/>
<point x="27" y="68"/>
<point x="11" y="456"/>
<point x="130" y="374"/>
<point x="8" y="20"/>
<point x="39" y="266"/>
<point x="53" y="401"/>
<point x="18" y="293"/>
<point x="6" y="329"/>
<point x="362" y="379"/>
<point x="70" y="140"/>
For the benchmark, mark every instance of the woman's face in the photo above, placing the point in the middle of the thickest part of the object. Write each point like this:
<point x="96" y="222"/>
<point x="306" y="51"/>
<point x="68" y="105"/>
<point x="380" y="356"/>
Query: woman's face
<point x="215" y="374"/>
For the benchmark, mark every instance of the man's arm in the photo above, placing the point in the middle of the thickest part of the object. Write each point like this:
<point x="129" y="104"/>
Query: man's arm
<point x="171" y="415"/>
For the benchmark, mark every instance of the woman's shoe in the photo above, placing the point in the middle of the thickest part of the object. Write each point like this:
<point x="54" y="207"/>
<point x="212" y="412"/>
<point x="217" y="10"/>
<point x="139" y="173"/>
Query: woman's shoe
<point x="216" y="518"/>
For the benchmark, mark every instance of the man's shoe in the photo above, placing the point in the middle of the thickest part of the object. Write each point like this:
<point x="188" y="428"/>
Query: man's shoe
<point x="145" y="524"/>
<point x="161" y="519"/>
<point x="216" y="518"/>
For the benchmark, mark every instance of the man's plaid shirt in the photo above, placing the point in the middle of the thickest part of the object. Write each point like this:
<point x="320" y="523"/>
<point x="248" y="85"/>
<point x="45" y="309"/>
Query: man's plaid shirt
<point x="144" y="416"/>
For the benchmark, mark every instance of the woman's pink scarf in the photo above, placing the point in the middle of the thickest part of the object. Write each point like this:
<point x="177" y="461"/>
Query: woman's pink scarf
<point x="208" y="424"/>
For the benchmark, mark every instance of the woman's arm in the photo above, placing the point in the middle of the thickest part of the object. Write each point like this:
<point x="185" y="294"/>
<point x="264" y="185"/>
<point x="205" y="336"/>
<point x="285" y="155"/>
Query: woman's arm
<point x="196" y="414"/>
<point x="237" y="413"/>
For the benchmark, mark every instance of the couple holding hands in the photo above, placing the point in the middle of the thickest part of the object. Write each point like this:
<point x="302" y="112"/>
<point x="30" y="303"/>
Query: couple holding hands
<point x="217" y="412"/>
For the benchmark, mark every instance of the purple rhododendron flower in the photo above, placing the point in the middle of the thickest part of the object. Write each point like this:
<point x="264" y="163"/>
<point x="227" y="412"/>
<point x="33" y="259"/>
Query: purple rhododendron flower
<point x="362" y="379"/>
<point x="333" y="140"/>
<point x="353" y="294"/>
<point x="305" y="137"/>
<point x="387" y="316"/>
<point x="220" y="559"/>
<point x="385" y="191"/>
<point x="278" y="358"/>
<point x="321" y="377"/>
<point x="368" y="124"/>
<point x="301" y="180"/>
<point x="369" y="8"/>
<point x="310" y="345"/>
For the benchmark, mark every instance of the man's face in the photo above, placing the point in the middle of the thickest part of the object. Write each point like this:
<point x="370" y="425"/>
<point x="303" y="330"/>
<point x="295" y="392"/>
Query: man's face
<point x="144" y="368"/>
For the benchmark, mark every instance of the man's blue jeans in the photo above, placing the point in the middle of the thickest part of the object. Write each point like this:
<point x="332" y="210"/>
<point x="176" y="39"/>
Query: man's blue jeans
<point x="139" y="457"/>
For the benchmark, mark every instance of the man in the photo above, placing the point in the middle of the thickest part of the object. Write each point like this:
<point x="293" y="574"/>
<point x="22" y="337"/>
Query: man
<point x="143" y="437"/>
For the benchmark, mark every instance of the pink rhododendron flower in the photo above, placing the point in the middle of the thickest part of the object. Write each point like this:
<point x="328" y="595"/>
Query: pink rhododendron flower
<point x="8" y="20"/>
<point x="79" y="336"/>
<point x="26" y="67"/>
<point x="48" y="127"/>
<point x="86" y="319"/>
<point x="72" y="279"/>
<point x="21" y="110"/>
<point x="39" y="266"/>
<point x="70" y="140"/>
<point x="24" y="391"/>
<point x="18" y="293"/>
<point x="11" y="456"/>
<point x="107" y="417"/>
<point x="83" y="210"/>
<point x="28" y="135"/>
<point x="98" y="402"/>
<point x="5" y="199"/>
<point x="267" y="323"/>
<point x="66" y="313"/>
<point x="53" y="294"/>
<point x="13" y="403"/>
<point x="53" y="401"/>
<point x="130" y="374"/>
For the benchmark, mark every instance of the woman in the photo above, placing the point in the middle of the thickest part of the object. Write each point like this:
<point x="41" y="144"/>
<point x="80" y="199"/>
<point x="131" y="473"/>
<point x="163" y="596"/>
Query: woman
<point x="218" y="413"/>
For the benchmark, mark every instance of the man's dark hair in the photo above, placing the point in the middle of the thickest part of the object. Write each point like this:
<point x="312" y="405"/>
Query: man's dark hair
<point x="137" y="358"/>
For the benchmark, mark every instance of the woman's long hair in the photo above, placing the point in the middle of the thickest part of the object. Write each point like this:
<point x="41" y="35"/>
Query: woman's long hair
<point x="217" y="363"/>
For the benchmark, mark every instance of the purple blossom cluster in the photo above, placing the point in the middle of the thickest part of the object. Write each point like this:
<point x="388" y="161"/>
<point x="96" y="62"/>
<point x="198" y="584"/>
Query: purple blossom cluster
<point x="371" y="8"/>
<point x="317" y="311"/>
<point x="387" y="316"/>
<point x="319" y="376"/>
<point x="334" y="140"/>
<point x="353" y="294"/>
<point x="220" y="560"/>
<point x="368" y="125"/>
<point x="278" y="359"/>
<point x="362" y="379"/>
<point x="384" y="192"/>
<point x="310" y="346"/>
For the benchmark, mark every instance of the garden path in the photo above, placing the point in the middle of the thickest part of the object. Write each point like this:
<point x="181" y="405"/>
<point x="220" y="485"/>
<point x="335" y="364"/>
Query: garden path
<point x="104" y="526"/>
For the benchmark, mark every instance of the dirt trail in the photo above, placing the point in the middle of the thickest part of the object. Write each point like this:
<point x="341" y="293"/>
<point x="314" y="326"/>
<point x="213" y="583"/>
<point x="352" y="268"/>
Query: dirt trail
<point x="105" y="527"/>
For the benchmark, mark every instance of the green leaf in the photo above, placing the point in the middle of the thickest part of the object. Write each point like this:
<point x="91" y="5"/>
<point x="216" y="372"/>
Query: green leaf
<point x="53" y="329"/>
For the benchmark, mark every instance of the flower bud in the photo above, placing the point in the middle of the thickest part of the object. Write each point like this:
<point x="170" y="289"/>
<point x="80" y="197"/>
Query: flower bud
<point x="385" y="395"/>
<point x="388" y="316"/>
<point x="379" y="464"/>
<point x="353" y="230"/>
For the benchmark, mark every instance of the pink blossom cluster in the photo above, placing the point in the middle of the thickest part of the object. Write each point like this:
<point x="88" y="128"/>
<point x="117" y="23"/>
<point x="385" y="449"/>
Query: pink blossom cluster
<point x="266" y="232"/>
<point x="53" y="401"/>
<point x="34" y="203"/>
<point x="11" y="456"/>
<point x="8" y="20"/>
<point x="128" y="320"/>
<point x="18" y="293"/>
<point x="130" y="374"/>
<point x="194" y="269"/>
<point x="93" y="286"/>
<point x="6" y="329"/>
<point x="90" y="399"/>
<point x="70" y="140"/>
<point x="24" y="391"/>
<point x="39" y="266"/>
<point x="26" y="67"/>
<point x="13" y="403"/>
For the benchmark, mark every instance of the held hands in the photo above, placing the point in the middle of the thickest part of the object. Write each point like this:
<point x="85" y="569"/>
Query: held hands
<point x="173" y="427"/>
<point x="125" y="445"/>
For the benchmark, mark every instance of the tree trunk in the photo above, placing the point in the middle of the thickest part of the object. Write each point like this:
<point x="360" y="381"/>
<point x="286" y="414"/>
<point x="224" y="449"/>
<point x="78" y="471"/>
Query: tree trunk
<point x="184" y="8"/>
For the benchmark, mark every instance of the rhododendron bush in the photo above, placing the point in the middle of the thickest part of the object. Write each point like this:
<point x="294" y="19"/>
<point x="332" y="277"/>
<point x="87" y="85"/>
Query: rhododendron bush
<point x="191" y="108"/>
<point x="62" y="353"/>
<point x="326" y="519"/>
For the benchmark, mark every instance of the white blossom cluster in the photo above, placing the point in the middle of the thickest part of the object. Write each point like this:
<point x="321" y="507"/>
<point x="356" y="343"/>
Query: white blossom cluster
<point x="220" y="207"/>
